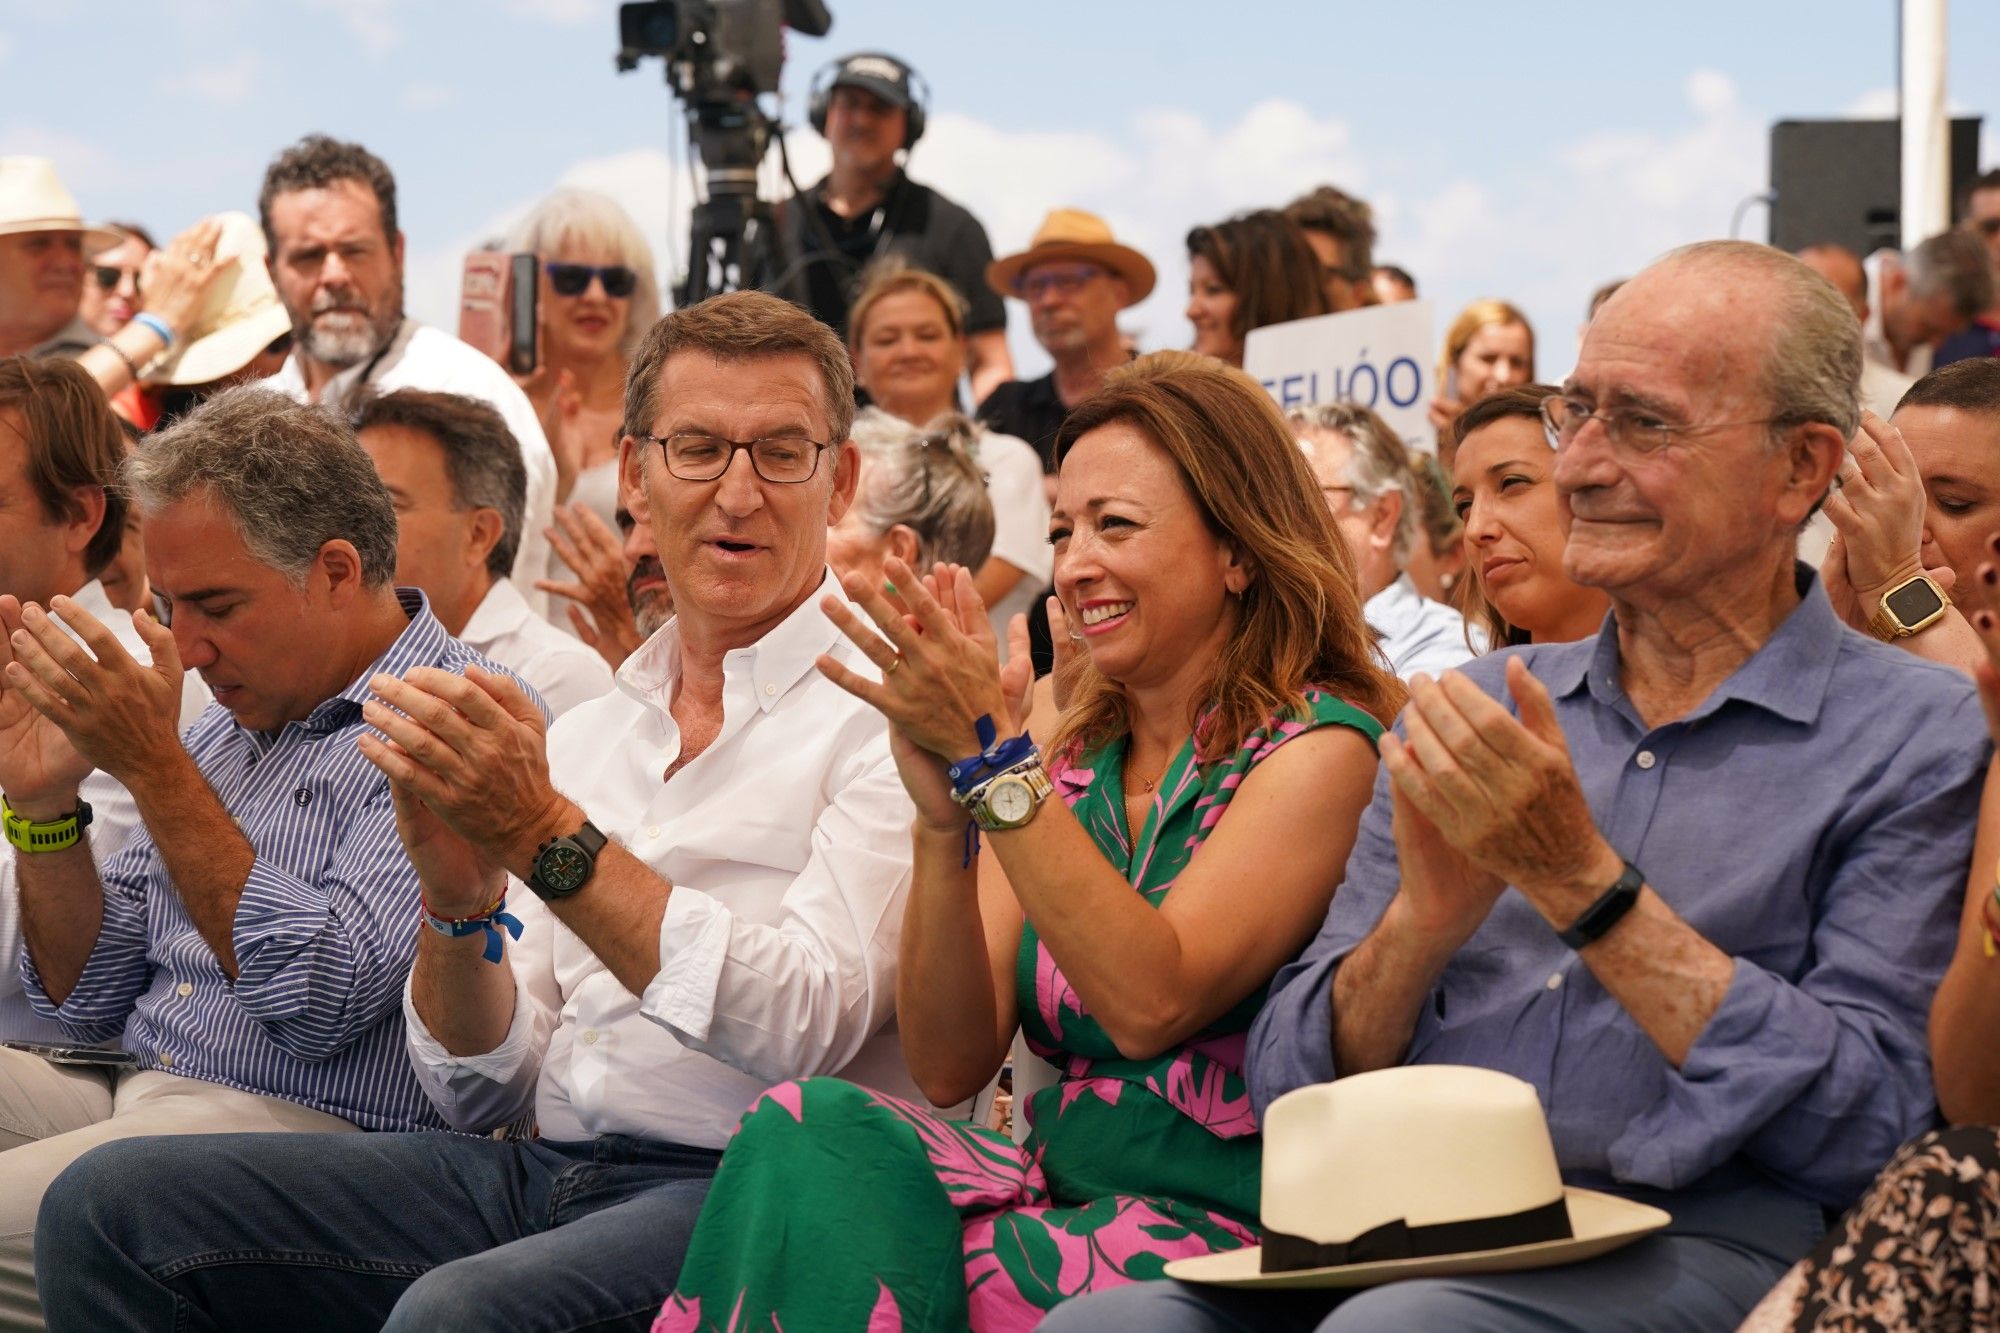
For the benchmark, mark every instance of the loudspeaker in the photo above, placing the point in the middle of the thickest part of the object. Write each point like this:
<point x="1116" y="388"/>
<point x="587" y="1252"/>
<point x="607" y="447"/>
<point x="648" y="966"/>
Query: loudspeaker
<point x="1842" y="181"/>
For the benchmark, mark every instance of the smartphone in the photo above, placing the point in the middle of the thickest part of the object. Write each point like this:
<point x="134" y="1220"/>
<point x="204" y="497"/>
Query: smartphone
<point x="57" y="1054"/>
<point x="497" y="299"/>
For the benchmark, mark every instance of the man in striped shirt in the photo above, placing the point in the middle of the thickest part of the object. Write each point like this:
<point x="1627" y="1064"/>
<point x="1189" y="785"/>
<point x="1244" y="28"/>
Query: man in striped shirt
<point x="252" y="940"/>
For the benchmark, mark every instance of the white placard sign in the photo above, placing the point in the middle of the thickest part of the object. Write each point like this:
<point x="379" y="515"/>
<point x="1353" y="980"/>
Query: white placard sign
<point x="1378" y="356"/>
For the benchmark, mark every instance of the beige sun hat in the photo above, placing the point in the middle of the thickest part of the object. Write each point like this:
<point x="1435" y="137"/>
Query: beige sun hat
<point x="1071" y="233"/>
<point x="32" y="198"/>
<point x="1419" y="1171"/>
<point x="240" y="318"/>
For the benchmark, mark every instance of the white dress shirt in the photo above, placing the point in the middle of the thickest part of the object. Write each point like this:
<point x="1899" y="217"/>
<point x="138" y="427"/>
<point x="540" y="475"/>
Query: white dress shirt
<point x="1875" y="343"/>
<point x="1417" y="633"/>
<point x="1020" y="524"/>
<point x="422" y="357"/>
<point x="787" y="842"/>
<point x="113" y="816"/>
<point x="505" y="628"/>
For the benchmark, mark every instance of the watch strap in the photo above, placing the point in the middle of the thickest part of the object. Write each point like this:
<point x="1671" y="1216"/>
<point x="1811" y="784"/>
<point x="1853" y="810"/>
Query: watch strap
<point x="1611" y="906"/>
<point x="50" y="835"/>
<point x="1030" y="771"/>
<point x="589" y="840"/>
<point x="1886" y="625"/>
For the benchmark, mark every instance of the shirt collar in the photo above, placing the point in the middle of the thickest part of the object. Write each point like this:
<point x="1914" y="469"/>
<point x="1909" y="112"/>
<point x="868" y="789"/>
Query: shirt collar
<point x="1787" y="676"/>
<point x="501" y="611"/>
<point x="72" y="338"/>
<point x="92" y="599"/>
<point x="1394" y="606"/>
<point x="774" y="663"/>
<point x="422" y="643"/>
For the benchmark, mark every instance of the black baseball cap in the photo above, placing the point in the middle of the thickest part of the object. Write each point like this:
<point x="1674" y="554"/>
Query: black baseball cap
<point x="885" y="76"/>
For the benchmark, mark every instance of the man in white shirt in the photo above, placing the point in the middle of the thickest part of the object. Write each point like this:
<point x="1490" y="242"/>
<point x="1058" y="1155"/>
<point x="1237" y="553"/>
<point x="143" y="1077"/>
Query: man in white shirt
<point x="1917" y="300"/>
<point x="1364" y="472"/>
<point x="329" y="213"/>
<point x="718" y="854"/>
<point x="62" y="518"/>
<point x="454" y="473"/>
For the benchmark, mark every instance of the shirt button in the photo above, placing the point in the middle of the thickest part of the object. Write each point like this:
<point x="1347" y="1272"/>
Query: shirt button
<point x="770" y="689"/>
<point x="166" y="1059"/>
<point x="1555" y="981"/>
<point x="590" y="1039"/>
<point x="652" y="830"/>
<point x="1646" y="759"/>
<point x="184" y="990"/>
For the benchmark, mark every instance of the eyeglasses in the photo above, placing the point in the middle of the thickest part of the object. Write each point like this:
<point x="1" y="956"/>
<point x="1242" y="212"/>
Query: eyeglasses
<point x="1631" y="430"/>
<point x="108" y="277"/>
<point x="574" y="279"/>
<point x="785" y="460"/>
<point x="1062" y="281"/>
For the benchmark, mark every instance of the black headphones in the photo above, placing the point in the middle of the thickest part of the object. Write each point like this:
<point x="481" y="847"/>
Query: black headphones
<point x="821" y="94"/>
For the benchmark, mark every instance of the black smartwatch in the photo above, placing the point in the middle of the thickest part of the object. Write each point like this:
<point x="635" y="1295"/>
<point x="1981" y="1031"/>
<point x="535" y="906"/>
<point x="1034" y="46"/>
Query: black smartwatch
<point x="1598" y="918"/>
<point x="564" y="865"/>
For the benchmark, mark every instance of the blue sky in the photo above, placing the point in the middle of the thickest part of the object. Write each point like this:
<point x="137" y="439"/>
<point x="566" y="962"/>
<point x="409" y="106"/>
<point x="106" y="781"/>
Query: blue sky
<point x="1525" y="151"/>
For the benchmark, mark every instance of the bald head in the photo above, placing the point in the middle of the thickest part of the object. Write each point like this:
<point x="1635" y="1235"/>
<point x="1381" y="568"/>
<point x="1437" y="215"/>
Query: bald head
<point x="1841" y="267"/>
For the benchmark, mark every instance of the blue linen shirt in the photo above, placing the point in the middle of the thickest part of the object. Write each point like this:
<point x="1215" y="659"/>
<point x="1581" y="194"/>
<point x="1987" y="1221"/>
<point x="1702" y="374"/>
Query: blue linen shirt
<point x="1813" y="818"/>
<point x="325" y="930"/>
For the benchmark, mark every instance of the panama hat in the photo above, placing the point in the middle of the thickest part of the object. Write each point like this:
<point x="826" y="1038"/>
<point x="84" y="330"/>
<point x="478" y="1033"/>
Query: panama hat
<point x="240" y="317"/>
<point x="1420" y="1171"/>
<point x="32" y="198"/>
<point x="1071" y="233"/>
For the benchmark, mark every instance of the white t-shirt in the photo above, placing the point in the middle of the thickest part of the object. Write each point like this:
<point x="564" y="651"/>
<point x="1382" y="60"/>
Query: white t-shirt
<point x="787" y="842"/>
<point x="113" y="816"/>
<point x="1020" y="524"/>
<point x="421" y="357"/>
<point x="1417" y="633"/>
<point x="562" y="670"/>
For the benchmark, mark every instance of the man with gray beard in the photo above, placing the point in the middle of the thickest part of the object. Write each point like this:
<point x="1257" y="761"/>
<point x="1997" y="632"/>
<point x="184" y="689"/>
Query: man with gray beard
<point x="329" y="214"/>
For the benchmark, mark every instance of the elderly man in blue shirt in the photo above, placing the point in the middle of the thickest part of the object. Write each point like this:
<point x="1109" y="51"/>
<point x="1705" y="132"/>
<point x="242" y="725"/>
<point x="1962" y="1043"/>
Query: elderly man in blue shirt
<point x="1695" y="879"/>
<point x="253" y="938"/>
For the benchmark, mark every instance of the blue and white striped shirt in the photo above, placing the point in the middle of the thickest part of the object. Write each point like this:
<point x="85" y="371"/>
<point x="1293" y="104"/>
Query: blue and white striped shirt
<point x="325" y="930"/>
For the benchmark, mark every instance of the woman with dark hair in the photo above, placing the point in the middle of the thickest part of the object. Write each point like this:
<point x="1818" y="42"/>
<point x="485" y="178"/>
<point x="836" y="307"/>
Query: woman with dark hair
<point x="1503" y="487"/>
<point x="1212" y="758"/>
<point x="1252" y="270"/>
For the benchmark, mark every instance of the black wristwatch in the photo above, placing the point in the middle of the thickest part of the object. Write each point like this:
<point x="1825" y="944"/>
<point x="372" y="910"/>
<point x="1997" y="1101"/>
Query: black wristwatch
<point x="564" y="865"/>
<point x="1602" y="915"/>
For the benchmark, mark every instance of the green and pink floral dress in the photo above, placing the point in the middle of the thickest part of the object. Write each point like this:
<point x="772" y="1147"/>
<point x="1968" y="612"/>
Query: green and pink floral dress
<point x="844" y="1209"/>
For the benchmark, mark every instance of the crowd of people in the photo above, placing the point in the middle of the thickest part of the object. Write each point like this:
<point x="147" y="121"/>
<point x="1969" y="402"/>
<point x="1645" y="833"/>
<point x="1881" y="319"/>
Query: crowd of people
<point x="585" y="848"/>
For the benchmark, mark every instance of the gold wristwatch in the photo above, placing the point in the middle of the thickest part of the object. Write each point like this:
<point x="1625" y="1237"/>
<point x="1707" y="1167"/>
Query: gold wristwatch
<point x="1912" y="605"/>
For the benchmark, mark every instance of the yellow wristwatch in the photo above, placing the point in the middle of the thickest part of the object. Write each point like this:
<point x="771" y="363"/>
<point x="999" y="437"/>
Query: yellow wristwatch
<point x="56" y="835"/>
<point x="1912" y="605"/>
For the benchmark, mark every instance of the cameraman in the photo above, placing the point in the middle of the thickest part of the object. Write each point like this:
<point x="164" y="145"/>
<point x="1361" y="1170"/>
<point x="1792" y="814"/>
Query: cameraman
<point x="866" y="208"/>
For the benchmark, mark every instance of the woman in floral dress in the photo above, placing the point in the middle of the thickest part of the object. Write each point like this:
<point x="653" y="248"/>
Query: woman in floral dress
<point x="1212" y="760"/>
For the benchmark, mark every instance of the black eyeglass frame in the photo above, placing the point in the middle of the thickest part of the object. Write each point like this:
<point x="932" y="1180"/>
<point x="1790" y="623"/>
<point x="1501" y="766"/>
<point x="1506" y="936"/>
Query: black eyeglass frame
<point x="819" y="447"/>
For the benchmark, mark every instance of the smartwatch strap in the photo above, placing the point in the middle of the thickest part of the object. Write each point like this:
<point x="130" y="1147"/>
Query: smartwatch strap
<point x="1598" y="918"/>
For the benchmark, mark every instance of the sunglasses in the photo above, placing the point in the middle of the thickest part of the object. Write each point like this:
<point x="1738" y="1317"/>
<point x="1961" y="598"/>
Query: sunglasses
<point x="574" y="279"/>
<point x="108" y="277"/>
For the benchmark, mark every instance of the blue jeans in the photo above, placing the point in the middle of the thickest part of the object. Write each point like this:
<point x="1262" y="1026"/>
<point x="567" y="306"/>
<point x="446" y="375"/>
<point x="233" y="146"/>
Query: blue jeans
<point x="1725" y="1249"/>
<point x="432" y="1232"/>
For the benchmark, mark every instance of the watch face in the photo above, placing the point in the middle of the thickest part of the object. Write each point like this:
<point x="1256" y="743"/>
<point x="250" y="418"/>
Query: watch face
<point x="1914" y="602"/>
<point x="1010" y="801"/>
<point x="563" y="868"/>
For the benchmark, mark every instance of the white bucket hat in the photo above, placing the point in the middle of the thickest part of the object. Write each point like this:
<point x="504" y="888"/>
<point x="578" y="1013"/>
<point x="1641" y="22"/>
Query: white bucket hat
<point x="32" y="198"/>
<point x="1419" y="1171"/>
<point x="241" y="316"/>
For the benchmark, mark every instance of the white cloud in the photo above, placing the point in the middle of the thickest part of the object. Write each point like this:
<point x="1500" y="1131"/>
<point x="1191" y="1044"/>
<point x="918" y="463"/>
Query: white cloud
<point x="558" y="11"/>
<point x="83" y="166"/>
<point x="1542" y="233"/>
<point x="1875" y="104"/>
<point x="428" y="96"/>
<point x="227" y="84"/>
<point x="370" y="22"/>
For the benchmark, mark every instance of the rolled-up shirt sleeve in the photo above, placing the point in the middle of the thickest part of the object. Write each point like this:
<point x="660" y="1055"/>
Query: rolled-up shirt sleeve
<point x="322" y="960"/>
<point x="484" y="1092"/>
<point x="118" y="969"/>
<point x="1819" y="1080"/>
<point x="797" y="997"/>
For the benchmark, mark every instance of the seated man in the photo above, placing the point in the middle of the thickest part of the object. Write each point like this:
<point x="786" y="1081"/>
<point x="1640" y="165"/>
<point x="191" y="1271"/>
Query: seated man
<point x="1365" y="474"/>
<point x="454" y="472"/>
<point x="616" y="593"/>
<point x="709" y="867"/>
<point x="1737" y="1034"/>
<point x="253" y="938"/>
<point x="62" y="519"/>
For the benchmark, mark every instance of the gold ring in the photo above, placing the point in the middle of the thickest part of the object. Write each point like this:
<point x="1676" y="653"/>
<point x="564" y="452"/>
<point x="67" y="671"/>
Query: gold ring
<point x="892" y="666"/>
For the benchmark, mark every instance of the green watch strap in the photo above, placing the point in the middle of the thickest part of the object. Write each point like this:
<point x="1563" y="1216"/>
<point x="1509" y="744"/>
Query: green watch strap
<point x="55" y="835"/>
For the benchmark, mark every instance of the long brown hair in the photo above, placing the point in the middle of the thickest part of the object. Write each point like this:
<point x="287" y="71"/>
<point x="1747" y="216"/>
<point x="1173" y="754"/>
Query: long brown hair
<point x="1523" y="400"/>
<point x="1301" y="613"/>
<point x="1267" y="262"/>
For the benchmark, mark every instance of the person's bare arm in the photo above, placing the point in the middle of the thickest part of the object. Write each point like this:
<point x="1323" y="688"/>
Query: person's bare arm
<point x="988" y="362"/>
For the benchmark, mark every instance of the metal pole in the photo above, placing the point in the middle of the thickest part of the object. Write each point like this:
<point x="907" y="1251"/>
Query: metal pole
<point x="1926" y="122"/>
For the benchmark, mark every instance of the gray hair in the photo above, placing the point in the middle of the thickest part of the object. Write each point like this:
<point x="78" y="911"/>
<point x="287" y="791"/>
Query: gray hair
<point x="289" y="475"/>
<point x="1377" y="463"/>
<point x="594" y="221"/>
<point x="926" y="478"/>
<point x="1813" y="373"/>
<point x="482" y="460"/>
<point x="1954" y="264"/>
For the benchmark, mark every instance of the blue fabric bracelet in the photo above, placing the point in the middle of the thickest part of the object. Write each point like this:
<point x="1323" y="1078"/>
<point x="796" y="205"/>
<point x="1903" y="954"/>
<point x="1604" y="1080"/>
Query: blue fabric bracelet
<point x="995" y="756"/>
<point x="146" y="319"/>
<point x="491" y="923"/>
